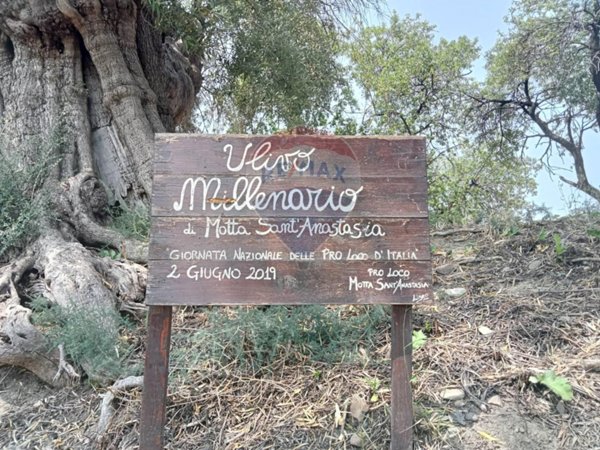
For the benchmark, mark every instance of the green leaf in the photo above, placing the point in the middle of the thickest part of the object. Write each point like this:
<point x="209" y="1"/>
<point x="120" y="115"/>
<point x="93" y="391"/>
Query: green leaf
<point x="418" y="339"/>
<point x="595" y="233"/>
<point x="559" y="385"/>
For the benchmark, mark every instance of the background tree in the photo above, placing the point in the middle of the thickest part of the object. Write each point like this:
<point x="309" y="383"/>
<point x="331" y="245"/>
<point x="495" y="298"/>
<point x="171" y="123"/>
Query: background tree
<point x="281" y="69"/>
<point x="415" y="84"/>
<point x="106" y="75"/>
<point x="544" y="79"/>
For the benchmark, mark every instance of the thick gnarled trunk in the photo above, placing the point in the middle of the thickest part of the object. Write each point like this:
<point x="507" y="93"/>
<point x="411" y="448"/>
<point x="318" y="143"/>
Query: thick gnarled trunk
<point x="102" y="74"/>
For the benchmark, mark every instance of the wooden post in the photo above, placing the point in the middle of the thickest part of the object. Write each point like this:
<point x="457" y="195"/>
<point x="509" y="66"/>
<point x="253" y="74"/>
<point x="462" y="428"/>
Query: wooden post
<point x="402" y="409"/>
<point x="156" y="374"/>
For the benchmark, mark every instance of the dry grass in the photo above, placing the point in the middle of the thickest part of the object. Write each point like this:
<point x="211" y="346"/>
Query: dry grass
<point x="543" y="309"/>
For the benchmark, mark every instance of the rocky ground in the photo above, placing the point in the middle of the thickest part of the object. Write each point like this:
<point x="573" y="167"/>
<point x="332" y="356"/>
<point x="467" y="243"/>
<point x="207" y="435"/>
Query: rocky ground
<point x="510" y="304"/>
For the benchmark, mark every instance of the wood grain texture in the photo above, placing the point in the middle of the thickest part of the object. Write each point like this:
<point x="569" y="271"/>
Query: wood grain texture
<point x="402" y="408"/>
<point x="294" y="282"/>
<point x="380" y="197"/>
<point x="392" y="156"/>
<point x="208" y="213"/>
<point x="156" y="373"/>
<point x="404" y="238"/>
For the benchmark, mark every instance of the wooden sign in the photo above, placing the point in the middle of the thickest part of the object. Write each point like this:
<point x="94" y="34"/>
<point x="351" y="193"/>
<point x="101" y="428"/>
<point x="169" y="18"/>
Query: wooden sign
<point x="286" y="219"/>
<point x="289" y="220"/>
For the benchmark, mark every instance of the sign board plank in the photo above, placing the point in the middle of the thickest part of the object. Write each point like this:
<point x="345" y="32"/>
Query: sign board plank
<point x="178" y="155"/>
<point x="290" y="282"/>
<point x="199" y="196"/>
<point x="289" y="220"/>
<point x="212" y="239"/>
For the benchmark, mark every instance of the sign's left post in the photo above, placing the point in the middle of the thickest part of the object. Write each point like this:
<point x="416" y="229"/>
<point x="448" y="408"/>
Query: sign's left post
<point x="156" y="375"/>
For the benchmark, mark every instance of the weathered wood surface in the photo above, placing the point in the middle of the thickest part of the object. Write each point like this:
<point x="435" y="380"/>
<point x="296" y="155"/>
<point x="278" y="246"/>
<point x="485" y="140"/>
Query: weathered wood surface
<point x="156" y="374"/>
<point x="390" y="156"/>
<point x="246" y="186"/>
<point x="402" y="408"/>
<point x="379" y="197"/>
<point x="404" y="238"/>
<point x="289" y="282"/>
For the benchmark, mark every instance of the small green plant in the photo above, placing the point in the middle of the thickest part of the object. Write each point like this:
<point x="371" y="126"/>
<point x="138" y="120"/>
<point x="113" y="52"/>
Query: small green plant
<point x="374" y="385"/>
<point x="559" y="385"/>
<point x="89" y="334"/>
<point x="131" y="221"/>
<point x="419" y="339"/>
<point x="594" y="233"/>
<point x="543" y="235"/>
<point x="559" y="248"/>
<point x="511" y="231"/>
<point x="427" y="326"/>
<point x="109" y="252"/>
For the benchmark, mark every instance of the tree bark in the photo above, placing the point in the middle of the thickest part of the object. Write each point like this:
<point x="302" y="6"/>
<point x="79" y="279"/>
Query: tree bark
<point x="101" y="73"/>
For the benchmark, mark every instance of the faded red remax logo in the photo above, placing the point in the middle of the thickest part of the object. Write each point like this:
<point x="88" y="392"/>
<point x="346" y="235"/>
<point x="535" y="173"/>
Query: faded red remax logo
<point x="320" y="178"/>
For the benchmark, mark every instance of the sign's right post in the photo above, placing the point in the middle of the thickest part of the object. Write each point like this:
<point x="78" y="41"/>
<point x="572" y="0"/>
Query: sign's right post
<point x="402" y="410"/>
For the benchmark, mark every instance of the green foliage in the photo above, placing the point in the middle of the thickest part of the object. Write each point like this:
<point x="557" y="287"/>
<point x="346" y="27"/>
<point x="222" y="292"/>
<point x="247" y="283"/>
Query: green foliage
<point x="559" y="385"/>
<point x="185" y="22"/>
<point x="132" y="221"/>
<point x="511" y="230"/>
<point x="543" y="79"/>
<point x="419" y="339"/>
<point x="417" y="84"/>
<point x="273" y="64"/>
<point x="110" y="253"/>
<point x="413" y="84"/>
<point x="23" y="198"/>
<point x="543" y="45"/>
<point x="479" y="186"/>
<point x="254" y="336"/>
<point x="89" y="335"/>
<point x="559" y="248"/>
<point x="594" y="233"/>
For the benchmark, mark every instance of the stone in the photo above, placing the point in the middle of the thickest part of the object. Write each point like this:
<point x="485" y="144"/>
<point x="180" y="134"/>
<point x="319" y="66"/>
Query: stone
<point x="356" y="440"/>
<point x="446" y="269"/>
<point x="455" y="292"/>
<point x="453" y="394"/>
<point x="495" y="400"/>
<point x="535" y="265"/>
<point x="458" y="417"/>
<point x="471" y="417"/>
<point x="358" y="407"/>
<point x="485" y="331"/>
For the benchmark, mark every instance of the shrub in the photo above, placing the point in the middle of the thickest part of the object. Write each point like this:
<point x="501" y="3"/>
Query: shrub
<point x="23" y="199"/>
<point x="89" y="335"/>
<point x="252" y="337"/>
<point x="477" y="186"/>
<point x="131" y="221"/>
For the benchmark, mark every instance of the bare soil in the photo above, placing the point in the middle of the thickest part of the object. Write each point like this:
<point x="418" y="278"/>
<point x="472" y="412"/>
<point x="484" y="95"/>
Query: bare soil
<point x="537" y="296"/>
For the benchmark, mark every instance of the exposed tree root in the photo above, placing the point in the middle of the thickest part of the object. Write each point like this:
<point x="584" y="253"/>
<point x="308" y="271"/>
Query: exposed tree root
<point x="13" y="272"/>
<point x="22" y="345"/>
<point x="64" y="366"/>
<point x="107" y="410"/>
<point x="83" y="202"/>
<point x="126" y="280"/>
<point x="74" y="278"/>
